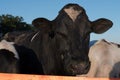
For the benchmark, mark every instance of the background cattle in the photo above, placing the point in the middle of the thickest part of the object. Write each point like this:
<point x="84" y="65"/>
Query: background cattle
<point x="105" y="60"/>
<point x="18" y="59"/>
<point x="11" y="36"/>
<point x="8" y="58"/>
<point x="62" y="44"/>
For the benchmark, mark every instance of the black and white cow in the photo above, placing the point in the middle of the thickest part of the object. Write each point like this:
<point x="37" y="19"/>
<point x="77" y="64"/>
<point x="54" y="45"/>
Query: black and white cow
<point x="62" y="44"/>
<point x="105" y="60"/>
<point x="11" y="36"/>
<point x="18" y="59"/>
<point x="8" y="58"/>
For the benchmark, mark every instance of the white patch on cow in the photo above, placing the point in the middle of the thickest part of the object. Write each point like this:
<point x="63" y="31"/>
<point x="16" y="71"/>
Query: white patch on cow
<point x="34" y="36"/>
<point x="72" y="13"/>
<point x="105" y="60"/>
<point x="9" y="46"/>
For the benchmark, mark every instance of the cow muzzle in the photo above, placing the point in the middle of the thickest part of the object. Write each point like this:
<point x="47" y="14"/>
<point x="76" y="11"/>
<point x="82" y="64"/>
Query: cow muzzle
<point x="78" y="68"/>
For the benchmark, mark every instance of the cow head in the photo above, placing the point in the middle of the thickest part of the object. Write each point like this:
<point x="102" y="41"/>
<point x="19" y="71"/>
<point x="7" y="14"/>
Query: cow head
<point x="72" y="30"/>
<point x="74" y="24"/>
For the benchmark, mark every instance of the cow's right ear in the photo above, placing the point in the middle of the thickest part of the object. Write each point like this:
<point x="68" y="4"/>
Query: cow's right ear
<point x="41" y="23"/>
<point x="101" y="25"/>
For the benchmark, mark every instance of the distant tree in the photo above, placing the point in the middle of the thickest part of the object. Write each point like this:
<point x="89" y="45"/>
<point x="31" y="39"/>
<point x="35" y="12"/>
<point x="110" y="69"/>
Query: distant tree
<point x="9" y="23"/>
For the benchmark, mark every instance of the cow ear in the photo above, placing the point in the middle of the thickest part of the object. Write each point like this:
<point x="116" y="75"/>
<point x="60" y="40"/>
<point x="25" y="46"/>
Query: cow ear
<point x="101" y="25"/>
<point x="44" y="25"/>
<point x="41" y="23"/>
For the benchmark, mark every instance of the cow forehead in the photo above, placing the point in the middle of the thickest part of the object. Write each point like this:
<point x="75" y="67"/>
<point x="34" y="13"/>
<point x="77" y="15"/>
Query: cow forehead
<point x="72" y="13"/>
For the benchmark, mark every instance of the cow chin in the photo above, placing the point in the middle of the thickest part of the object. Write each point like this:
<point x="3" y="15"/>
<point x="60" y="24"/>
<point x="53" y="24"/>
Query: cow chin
<point x="74" y="69"/>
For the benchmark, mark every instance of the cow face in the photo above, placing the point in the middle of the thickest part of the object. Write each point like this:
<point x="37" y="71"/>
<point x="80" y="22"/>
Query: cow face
<point x="72" y="30"/>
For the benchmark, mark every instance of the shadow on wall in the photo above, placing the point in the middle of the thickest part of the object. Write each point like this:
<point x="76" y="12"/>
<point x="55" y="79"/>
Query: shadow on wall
<point x="115" y="72"/>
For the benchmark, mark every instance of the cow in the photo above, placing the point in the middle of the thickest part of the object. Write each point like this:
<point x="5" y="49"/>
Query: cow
<point x="105" y="60"/>
<point x="8" y="58"/>
<point x="18" y="59"/>
<point x="11" y="36"/>
<point x="62" y="44"/>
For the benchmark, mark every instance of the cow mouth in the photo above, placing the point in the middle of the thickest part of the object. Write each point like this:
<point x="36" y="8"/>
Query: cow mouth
<point x="78" y="69"/>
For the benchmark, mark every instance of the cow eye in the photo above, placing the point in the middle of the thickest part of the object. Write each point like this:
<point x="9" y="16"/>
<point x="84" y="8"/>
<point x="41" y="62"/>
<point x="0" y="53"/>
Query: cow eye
<point x="80" y="16"/>
<point x="52" y="34"/>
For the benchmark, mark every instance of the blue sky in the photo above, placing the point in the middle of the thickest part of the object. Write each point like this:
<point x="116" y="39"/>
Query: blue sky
<point x="31" y="9"/>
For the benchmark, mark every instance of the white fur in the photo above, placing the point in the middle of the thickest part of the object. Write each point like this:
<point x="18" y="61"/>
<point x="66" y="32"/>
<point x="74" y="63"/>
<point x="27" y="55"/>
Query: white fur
<point x="9" y="46"/>
<point x="104" y="57"/>
<point x="72" y="13"/>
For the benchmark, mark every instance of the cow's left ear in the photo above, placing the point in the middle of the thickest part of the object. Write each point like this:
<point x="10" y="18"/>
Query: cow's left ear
<point x="101" y="25"/>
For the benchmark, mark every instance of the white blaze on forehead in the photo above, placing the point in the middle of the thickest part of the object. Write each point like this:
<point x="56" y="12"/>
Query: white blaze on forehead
<point x="9" y="46"/>
<point x="72" y="13"/>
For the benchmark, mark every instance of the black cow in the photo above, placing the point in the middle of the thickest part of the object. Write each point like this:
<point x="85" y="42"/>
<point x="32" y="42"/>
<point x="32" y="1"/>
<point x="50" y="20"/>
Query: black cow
<point x="8" y="63"/>
<point x="62" y="45"/>
<point x="18" y="59"/>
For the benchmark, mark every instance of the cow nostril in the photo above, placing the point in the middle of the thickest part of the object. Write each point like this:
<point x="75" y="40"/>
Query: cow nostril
<point x="51" y="34"/>
<point x="74" y="67"/>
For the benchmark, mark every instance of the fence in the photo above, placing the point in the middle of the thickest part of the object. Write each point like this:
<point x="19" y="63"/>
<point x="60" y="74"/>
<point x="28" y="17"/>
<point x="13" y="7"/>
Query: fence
<point x="4" y="76"/>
